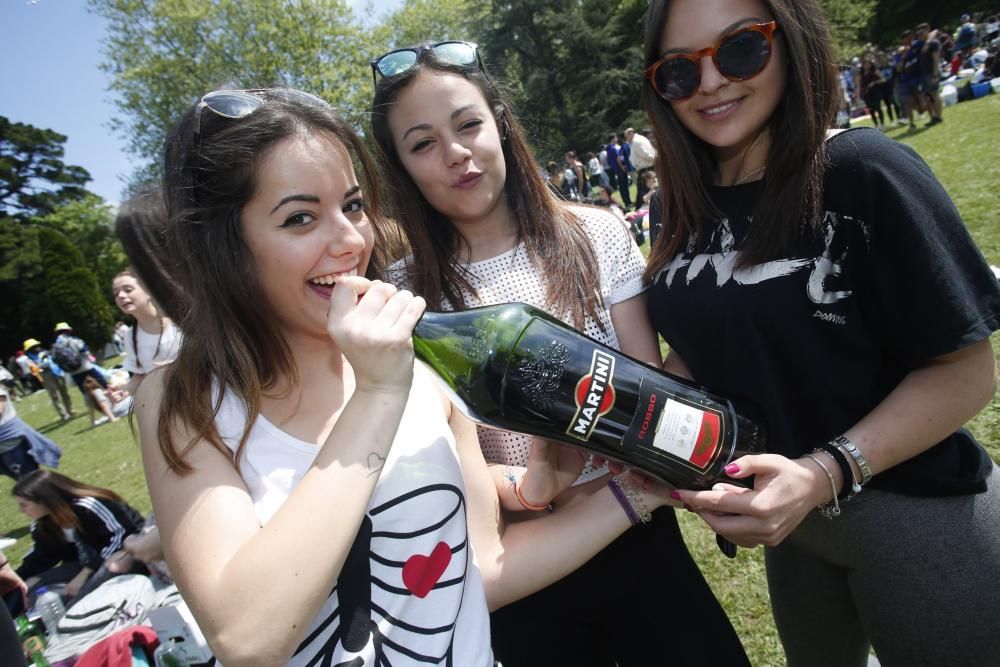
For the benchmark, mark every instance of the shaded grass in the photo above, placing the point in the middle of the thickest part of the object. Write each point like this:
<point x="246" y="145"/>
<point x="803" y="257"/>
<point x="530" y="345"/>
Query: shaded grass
<point x="962" y="152"/>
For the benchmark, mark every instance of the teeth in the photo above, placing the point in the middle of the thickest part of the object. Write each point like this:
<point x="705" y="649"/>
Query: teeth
<point x="717" y="110"/>
<point x="330" y="277"/>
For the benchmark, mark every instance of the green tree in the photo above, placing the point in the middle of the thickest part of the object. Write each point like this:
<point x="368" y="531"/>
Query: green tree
<point x="162" y="54"/>
<point x="850" y="22"/>
<point x="66" y="290"/>
<point x="419" y="21"/>
<point x="573" y="67"/>
<point x="88" y="223"/>
<point x="34" y="180"/>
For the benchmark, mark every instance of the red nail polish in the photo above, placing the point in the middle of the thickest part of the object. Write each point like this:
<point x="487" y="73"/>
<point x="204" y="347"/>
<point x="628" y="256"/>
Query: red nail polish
<point x="675" y="495"/>
<point x="732" y="469"/>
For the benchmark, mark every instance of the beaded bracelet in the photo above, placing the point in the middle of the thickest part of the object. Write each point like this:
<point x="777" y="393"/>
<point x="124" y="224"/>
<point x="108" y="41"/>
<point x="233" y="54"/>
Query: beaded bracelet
<point x="852" y="449"/>
<point x="630" y="500"/>
<point x="851" y="486"/>
<point x="529" y="506"/>
<point x="830" y="510"/>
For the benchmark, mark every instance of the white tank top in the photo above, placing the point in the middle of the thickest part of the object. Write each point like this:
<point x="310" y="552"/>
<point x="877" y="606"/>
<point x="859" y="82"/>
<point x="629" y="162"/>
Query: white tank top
<point x="410" y="592"/>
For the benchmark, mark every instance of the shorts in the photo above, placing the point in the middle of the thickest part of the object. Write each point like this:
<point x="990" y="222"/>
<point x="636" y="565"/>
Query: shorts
<point x="930" y="84"/>
<point x="907" y="89"/>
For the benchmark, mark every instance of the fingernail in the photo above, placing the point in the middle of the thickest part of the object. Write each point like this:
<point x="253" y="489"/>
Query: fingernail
<point x="675" y="495"/>
<point x="732" y="469"/>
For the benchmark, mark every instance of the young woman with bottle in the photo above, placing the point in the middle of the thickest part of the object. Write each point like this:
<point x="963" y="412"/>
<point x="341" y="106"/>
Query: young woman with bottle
<point x="483" y="229"/>
<point x="293" y="436"/>
<point x="829" y="278"/>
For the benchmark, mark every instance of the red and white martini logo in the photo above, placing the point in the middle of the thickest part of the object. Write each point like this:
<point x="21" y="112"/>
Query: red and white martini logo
<point x="594" y="395"/>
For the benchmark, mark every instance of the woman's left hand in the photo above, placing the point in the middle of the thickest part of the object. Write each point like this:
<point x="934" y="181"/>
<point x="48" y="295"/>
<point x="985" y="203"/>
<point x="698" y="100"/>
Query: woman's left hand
<point x="785" y="491"/>
<point x="75" y="584"/>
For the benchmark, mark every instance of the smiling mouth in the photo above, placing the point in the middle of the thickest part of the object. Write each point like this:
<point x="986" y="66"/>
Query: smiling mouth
<point x="720" y="109"/>
<point x="328" y="279"/>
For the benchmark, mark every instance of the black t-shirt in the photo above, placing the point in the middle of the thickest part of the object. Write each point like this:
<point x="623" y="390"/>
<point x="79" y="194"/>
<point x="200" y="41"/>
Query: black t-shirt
<point x="927" y="67"/>
<point x="810" y="343"/>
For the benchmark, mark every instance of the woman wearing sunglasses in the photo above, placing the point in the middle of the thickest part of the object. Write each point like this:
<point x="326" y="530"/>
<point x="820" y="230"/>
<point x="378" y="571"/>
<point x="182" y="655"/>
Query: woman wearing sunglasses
<point x="831" y="280"/>
<point x="318" y="500"/>
<point x="484" y="229"/>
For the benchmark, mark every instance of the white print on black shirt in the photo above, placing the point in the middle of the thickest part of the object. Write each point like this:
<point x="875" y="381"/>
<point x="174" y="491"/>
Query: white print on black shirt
<point x="825" y="270"/>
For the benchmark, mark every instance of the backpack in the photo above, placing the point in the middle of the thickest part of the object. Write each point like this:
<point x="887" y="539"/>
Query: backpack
<point x="66" y="355"/>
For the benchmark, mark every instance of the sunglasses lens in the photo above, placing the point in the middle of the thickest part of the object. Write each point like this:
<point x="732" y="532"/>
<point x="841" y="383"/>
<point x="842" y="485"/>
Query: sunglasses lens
<point x="232" y="103"/>
<point x="677" y="78"/>
<point x="456" y="53"/>
<point x="392" y="64"/>
<point x="744" y="54"/>
<point x="299" y="97"/>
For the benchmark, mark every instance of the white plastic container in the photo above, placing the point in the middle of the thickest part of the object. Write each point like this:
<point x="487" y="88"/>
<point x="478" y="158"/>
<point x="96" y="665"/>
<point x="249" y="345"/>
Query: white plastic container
<point x="949" y="95"/>
<point x="50" y="609"/>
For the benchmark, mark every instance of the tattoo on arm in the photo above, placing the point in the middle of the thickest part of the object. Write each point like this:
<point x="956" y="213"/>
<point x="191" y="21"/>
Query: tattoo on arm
<point x="375" y="463"/>
<point x="508" y="474"/>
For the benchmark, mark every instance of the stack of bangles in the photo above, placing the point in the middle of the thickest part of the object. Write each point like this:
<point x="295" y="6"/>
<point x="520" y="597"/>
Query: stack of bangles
<point x="844" y="452"/>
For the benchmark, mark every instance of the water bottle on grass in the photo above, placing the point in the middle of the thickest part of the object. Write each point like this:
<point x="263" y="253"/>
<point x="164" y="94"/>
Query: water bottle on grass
<point x="50" y="607"/>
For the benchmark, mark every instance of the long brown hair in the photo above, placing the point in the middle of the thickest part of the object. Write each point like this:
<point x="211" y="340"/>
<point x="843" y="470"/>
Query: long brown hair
<point x="231" y="340"/>
<point x="56" y="493"/>
<point x="553" y="236"/>
<point x="131" y="273"/>
<point x="793" y="189"/>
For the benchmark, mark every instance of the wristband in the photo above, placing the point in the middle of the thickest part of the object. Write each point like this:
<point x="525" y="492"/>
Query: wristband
<point x="830" y="510"/>
<point x="851" y="487"/>
<point x="526" y="505"/>
<point x="852" y="449"/>
<point x="630" y="499"/>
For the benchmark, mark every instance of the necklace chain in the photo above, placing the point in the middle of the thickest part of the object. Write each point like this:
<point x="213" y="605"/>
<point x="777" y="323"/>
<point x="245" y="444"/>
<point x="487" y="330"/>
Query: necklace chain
<point x="750" y="175"/>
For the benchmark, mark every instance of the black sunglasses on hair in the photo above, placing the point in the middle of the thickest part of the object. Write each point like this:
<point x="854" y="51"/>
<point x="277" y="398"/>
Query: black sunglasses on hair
<point x="740" y="55"/>
<point x="235" y="104"/>
<point x="452" y="52"/>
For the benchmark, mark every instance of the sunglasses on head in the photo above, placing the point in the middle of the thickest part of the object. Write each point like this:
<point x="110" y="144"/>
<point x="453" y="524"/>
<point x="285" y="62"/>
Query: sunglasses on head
<point x="452" y="52"/>
<point x="738" y="56"/>
<point x="234" y="104"/>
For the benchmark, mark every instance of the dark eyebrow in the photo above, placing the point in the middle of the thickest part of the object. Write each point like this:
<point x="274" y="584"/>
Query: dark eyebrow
<point x="424" y="126"/>
<point x="353" y="191"/>
<point x="309" y="198"/>
<point x="730" y="28"/>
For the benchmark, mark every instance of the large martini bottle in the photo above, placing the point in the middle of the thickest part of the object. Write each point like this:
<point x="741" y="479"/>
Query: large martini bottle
<point x="516" y="367"/>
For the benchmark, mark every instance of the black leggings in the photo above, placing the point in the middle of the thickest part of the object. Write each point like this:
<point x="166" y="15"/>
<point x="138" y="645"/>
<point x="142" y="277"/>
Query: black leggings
<point x="641" y="601"/>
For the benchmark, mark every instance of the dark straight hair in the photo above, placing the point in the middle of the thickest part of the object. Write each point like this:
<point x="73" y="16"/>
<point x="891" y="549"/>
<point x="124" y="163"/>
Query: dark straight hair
<point x="793" y="188"/>
<point x="141" y="226"/>
<point x="554" y="238"/>
<point x="57" y="493"/>
<point x="231" y="339"/>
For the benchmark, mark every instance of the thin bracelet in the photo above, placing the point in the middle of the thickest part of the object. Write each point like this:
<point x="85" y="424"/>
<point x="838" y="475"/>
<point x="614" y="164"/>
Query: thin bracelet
<point x="851" y="486"/>
<point x="632" y="496"/>
<point x="616" y="489"/>
<point x="526" y="505"/>
<point x="852" y="449"/>
<point x="830" y="510"/>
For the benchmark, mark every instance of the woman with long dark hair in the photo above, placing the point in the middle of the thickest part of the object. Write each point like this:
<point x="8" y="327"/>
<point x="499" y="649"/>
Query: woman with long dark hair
<point x="827" y="278"/>
<point x="76" y="527"/>
<point x="294" y="441"/>
<point x="484" y="229"/>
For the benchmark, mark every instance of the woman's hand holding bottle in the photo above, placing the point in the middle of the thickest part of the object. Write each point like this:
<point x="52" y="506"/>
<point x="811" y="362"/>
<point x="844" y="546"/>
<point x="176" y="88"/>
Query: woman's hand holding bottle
<point x="371" y="322"/>
<point x="785" y="491"/>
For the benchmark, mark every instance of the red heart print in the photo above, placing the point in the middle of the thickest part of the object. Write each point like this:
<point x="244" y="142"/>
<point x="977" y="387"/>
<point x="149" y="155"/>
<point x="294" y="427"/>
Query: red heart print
<point x="421" y="573"/>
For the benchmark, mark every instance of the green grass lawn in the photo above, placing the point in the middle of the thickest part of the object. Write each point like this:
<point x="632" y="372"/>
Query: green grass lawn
<point x="962" y="153"/>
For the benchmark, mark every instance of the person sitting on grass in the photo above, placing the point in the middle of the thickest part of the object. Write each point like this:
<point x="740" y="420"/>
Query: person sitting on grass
<point x="22" y="448"/>
<point x="98" y="397"/>
<point x="75" y="528"/>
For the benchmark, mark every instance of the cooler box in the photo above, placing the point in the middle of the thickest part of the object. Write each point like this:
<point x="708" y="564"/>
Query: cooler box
<point x="980" y="89"/>
<point x="949" y="95"/>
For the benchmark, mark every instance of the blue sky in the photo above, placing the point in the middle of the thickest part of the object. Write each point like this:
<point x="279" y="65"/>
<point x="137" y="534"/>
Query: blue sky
<point x="51" y="79"/>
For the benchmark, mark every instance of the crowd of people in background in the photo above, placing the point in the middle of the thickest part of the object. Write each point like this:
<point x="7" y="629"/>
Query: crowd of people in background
<point x="928" y="68"/>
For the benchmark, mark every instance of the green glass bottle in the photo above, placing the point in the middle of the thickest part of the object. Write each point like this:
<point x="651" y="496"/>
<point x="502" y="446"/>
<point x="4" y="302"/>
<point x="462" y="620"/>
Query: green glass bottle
<point x="515" y="367"/>
<point x="33" y="640"/>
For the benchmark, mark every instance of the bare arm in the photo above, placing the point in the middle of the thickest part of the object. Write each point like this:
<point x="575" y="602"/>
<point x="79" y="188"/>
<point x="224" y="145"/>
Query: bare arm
<point x="218" y="552"/>
<point x="634" y="331"/>
<point x="525" y="557"/>
<point x="930" y="403"/>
